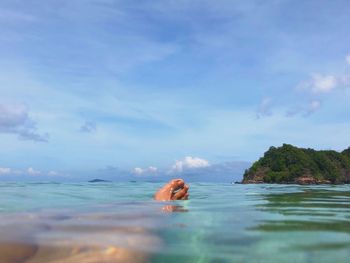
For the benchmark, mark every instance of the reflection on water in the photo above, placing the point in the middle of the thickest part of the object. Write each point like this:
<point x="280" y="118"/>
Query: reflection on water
<point x="108" y="234"/>
<point x="117" y="222"/>
<point x="263" y="223"/>
<point x="308" y="210"/>
<point x="312" y="222"/>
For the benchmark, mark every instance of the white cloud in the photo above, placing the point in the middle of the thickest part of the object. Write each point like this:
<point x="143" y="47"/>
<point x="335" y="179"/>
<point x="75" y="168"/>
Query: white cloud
<point x="189" y="163"/>
<point x="313" y="106"/>
<point x="319" y="83"/>
<point x="325" y="83"/>
<point x="306" y="109"/>
<point x="322" y="83"/>
<point x="33" y="172"/>
<point x="53" y="173"/>
<point x="347" y="58"/>
<point x="152" y="169"/>
<point x="5" y="171"/>
<point x="15" y="119"/>
<point x="30" y="171"/>
<point x="138" y="170"/>
<point x="264" y="108"/>
<point x="9" y="171"/>
<point x="149" y="170"/>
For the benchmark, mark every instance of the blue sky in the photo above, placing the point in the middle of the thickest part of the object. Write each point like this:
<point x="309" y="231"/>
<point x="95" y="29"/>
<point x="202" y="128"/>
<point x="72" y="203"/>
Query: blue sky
<point x="137" y="87"/>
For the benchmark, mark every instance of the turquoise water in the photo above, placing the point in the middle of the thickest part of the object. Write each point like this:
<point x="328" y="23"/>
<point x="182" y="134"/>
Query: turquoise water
<point x="220" y="223"/>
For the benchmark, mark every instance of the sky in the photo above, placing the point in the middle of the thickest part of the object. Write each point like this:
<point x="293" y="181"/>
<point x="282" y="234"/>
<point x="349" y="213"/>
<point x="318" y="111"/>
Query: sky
<point x="150" y="89"/>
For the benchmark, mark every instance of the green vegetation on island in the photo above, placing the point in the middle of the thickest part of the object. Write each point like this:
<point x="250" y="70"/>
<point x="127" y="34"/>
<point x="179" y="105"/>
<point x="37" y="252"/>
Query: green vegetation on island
<point x="289" y="164"/>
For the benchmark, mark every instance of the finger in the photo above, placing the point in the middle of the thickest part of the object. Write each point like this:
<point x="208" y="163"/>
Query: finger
<point x="181" y="193"/>
<point x="177" y="184"/>
<point x="185" y="197"/>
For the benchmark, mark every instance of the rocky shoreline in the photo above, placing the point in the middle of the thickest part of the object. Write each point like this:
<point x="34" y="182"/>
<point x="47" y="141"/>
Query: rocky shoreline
<point x="303" y="180"/>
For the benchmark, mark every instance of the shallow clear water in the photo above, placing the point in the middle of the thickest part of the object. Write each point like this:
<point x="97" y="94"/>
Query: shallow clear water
<point x="119" y="222"/>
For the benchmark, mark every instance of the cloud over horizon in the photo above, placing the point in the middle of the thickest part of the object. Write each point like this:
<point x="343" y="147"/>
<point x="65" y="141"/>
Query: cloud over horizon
<point x="145" y="171"/>
<point x="30" y="171"/>
<point x="14" y="119"/>
<point x="192" y="169"/>
<point x="189" y="162"/>
<point x="5" y="171"/>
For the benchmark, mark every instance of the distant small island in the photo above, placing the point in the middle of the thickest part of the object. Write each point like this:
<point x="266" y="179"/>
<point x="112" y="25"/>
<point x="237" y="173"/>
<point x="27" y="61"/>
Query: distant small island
<point x="99" y="181"/>
<point x="292" y="165"/>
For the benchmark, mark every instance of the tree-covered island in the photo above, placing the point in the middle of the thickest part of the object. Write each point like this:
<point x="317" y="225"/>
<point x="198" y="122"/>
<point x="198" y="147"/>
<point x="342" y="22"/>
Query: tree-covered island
<point x="292" y="165"/>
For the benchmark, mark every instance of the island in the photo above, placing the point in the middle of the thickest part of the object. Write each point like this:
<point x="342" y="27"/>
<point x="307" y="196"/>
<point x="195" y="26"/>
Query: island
<point x="99" y="181"/>
<point x="292" y="165"/>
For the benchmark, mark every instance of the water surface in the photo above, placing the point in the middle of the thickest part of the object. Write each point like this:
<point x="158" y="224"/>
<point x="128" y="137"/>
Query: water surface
<point x="119" y="222"/>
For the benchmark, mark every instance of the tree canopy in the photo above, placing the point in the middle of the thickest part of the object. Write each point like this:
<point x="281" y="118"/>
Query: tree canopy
<point x="287" y="164"/>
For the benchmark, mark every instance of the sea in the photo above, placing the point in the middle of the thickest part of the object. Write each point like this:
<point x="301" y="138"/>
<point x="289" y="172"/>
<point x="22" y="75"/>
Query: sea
<point x="221" y="222"/>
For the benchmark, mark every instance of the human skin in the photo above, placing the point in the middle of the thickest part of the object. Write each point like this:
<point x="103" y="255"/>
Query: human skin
<point x="174" y="190"/>
<point x="75" y="250"/>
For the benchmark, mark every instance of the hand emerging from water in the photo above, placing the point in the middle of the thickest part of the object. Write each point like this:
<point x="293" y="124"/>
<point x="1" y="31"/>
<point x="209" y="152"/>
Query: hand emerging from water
<point x="174" y="190"/>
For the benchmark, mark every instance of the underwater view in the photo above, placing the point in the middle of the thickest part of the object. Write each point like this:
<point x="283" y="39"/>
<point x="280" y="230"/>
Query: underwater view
<point x="120" y="222"/>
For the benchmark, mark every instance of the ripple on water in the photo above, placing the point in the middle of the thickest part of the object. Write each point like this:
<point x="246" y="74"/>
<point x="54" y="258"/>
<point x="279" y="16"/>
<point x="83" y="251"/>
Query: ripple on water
<point x="220" y="223"/>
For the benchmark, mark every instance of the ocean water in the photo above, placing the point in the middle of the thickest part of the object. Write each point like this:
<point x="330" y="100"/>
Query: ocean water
<point x="119" y="222"/>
